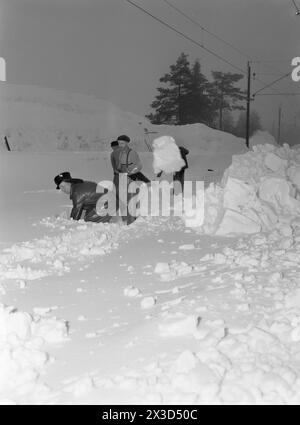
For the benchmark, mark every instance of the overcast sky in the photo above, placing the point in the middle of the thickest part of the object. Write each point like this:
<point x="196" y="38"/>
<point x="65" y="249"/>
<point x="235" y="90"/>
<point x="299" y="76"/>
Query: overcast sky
<point x="114" y="51"/>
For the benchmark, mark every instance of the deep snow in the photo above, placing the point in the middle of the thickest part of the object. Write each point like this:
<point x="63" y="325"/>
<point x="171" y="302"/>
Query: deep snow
<point x="151" y="313"/>
<point x="156" y="312"/>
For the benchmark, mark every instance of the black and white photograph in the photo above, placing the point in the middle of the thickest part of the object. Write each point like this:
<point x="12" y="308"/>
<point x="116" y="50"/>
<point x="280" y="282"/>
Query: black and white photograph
<point x="150" y="204"/>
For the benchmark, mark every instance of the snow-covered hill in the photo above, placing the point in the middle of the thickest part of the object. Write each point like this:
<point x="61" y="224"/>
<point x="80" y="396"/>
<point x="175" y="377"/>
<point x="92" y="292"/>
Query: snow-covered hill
<point x="41" y="119"/>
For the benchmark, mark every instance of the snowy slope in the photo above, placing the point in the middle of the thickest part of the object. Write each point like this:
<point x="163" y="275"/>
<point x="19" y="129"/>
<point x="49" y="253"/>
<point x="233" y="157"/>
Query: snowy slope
<point x="39" y="119"/>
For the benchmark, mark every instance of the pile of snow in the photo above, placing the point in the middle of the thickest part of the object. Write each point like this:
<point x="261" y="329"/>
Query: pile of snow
<point x="259" y="190"/>
<point x="166" y="155"/>
<point x="200" y="139"/>
<point x="262" y="138"/>
<point x="79" y="242"/>
<point x="22" y="355"/>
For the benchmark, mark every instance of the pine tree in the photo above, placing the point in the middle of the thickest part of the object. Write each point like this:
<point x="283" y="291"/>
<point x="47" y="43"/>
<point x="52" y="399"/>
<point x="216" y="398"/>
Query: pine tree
<point x="170" y="102"/>
<point x="224" y="94"/>
<point x="198" y="106"/>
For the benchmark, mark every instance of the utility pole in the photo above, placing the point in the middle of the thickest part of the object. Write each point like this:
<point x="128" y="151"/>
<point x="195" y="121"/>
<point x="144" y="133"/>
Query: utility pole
<point x="248" y="105"/>
<point x="279" y="124"/>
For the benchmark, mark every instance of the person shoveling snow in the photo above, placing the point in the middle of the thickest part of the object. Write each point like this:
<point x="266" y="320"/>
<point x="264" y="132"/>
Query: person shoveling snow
<point x="85" y="196"/>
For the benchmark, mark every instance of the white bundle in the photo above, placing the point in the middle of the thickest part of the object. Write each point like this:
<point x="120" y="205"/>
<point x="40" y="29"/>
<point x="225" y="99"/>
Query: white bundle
<point x="166" y="155"/>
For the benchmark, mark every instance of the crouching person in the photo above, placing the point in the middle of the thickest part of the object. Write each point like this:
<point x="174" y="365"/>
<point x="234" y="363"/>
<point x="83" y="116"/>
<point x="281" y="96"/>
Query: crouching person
<point x="86" y="200"/>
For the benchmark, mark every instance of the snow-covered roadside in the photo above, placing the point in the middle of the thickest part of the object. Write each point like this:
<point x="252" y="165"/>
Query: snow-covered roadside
<point x="169" y="315"/>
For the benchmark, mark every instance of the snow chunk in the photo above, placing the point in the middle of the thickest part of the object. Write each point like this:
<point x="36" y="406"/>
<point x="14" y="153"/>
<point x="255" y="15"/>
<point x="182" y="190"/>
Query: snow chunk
<point x="293" y="299"/>
<point x="161" y="268"/>
<point x="234" y="222"/>
<point x="166" y="155"/>
<point x="185" y="362"/>
<point x="187" y="247"/>
<point x="148" y="302"/>
<point x="179" y="326"/>
<point x="131" y="291"/>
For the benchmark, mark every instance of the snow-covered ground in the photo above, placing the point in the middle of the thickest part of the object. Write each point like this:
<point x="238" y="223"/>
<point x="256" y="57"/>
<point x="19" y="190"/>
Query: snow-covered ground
<point x="151" y="313"/>
<point x="156" y="312"/>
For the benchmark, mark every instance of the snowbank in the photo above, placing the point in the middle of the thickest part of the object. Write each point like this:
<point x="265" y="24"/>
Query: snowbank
<point x="259" y="191"/>
<point x="41" y="119"/>
<point x="22" y="356"/>
<point x="262" y="138"/>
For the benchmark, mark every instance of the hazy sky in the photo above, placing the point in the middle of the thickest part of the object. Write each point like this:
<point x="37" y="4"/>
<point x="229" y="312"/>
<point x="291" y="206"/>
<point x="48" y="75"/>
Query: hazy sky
<point x="112" y="50"/>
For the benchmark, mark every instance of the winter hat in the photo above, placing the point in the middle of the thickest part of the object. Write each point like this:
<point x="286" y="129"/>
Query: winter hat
<point x="65" y="177"/>
<point x="124" y="137"/>
<point x="114" y="143"/>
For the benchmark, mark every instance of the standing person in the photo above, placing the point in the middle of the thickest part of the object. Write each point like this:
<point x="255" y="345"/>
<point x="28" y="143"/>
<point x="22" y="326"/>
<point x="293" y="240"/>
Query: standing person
<point x="115" y="146"/>
<point x="126" y="163"/>
<point x="179" y="175"/>
<point x="84" y="196"/>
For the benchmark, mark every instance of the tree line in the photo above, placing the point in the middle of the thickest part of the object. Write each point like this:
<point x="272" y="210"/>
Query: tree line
<point x="187" y="97"/>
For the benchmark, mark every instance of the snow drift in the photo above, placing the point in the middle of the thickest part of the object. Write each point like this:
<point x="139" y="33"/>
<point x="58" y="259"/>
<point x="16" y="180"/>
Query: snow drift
<point x="258" y="191"/>
<point x="41" y="119"/>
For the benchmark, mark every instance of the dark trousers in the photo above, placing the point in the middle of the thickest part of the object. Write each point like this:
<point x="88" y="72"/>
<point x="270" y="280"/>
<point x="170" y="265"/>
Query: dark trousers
<point x="122" y="204"/>
<point x="179" y="176"/>
<point x="91" y="215"/>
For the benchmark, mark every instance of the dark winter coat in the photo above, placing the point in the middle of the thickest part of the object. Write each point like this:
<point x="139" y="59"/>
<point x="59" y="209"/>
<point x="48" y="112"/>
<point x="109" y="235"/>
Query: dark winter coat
<point x="84" y="197"/>
<point x="113" y="159"/>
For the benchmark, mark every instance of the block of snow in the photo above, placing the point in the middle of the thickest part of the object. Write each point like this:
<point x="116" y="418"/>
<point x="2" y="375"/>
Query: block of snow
<point x="15" y="322"/>
<point x="234" y="222"/>
<point x="162" y="268"/>
<point x="238" y="193"/>
<point x="293" y="299"/>
<point x="148" y="302"/>
<point x="51" y="330"/>
<point x="276" y="191"/>
<point x="187" y="247"/>
<point x="166" y="155"/>
<point x="131" y="291"/>
<point x="293" y="173"/>
<point x="42" y="311"/>
<point x="274" y="162"/>
<point x="179" y="326"/>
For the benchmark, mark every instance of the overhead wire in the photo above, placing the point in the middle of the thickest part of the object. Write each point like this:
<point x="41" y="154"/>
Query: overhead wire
<point x="201" y="45"/>
<point x="185" y="36"/>
<point x="181" y="12"/>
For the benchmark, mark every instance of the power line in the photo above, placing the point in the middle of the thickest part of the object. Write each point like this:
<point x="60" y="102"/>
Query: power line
<point x="278" y="94"/>
<point x="203" y="47"/>
<point x="223" y="41"/>
<point x="206" y="30"/>
<point x="185" y="36"/>
<point x="296" y="7"/>
<point x="271" y="84"/>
